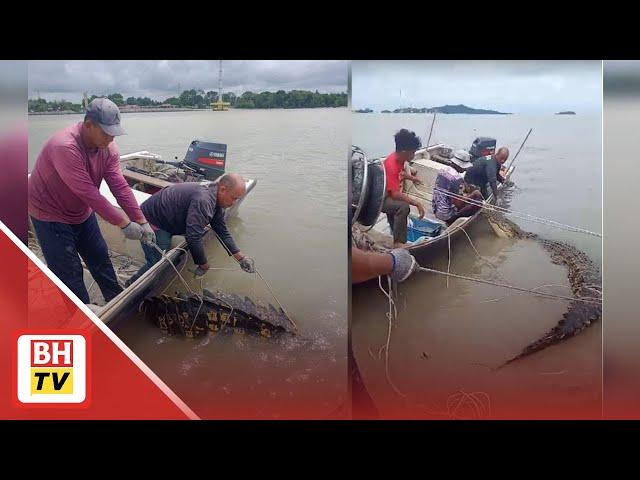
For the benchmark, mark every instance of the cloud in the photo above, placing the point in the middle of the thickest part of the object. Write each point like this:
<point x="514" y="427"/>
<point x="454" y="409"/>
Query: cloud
<point x="511" y="86"/>
<point x="159" y="79"/>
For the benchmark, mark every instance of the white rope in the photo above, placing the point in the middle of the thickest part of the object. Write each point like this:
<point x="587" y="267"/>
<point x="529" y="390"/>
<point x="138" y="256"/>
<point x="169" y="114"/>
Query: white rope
<point x="164" y="257"/>
<point x="513" y="287"/>
<point x="522" y="215"/>
<point x="391" y="315"/>
<point x="449" y="262"/>
<point x="266" y="284"/>
<point x="200" y="297"/>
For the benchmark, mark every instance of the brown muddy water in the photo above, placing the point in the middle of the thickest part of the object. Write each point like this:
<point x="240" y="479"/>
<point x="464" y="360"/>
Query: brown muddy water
<point x="447" y="339"/>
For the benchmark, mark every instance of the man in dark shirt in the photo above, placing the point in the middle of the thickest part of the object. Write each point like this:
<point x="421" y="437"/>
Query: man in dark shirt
<point x="186" y="209"/>
<point x="487" y="170"/>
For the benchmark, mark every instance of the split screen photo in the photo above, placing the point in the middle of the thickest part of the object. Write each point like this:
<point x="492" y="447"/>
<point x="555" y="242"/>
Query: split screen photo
<point x="359" y="239"/>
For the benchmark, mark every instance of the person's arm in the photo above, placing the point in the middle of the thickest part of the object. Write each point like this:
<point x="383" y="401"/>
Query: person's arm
<point x="70" y="166"/>
<point x="492" y="175"/>
<point x="399" y="264"/>
<point x="406" y="198"/>
<point x="220" y="227"/>
<point x="121" y="190"/>
<point x="501" y="178"/>
<point x="368" y="265"/>
<point x="196" y="221"/>
<point x="407" y="176"/>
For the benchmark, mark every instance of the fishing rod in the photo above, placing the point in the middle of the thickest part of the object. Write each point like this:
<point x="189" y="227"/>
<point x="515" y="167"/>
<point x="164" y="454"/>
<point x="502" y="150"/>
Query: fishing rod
<point x="518" y="152"/>
<point x="431" y="131"/>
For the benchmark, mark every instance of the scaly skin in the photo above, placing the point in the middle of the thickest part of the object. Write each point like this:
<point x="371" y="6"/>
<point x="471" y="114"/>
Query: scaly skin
<point x="217" y="311"/>
<point x="584" y="278"/>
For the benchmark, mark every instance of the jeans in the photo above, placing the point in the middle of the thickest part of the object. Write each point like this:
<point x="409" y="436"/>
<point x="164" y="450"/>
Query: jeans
<point x="61" y="243"/>
<point x="151" y="255"/>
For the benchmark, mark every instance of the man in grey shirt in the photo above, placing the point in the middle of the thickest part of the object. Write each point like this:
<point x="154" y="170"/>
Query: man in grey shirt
<point x="186" y="209"/>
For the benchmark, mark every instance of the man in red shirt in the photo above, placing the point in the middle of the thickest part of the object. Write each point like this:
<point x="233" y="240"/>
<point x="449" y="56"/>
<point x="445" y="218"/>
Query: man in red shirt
<point x="396" y="204"/>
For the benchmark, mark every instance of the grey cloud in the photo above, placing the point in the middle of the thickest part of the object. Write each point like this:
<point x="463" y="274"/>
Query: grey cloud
<point x="160" y="79"/>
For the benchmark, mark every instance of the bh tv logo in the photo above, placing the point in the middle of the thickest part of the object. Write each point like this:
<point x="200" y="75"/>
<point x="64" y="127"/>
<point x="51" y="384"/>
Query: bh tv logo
<point x="52" y="368"/>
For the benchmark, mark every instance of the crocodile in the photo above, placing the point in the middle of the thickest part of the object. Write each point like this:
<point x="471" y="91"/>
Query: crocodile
<point x="194" y="316"/>
<point x="584" y="278"/>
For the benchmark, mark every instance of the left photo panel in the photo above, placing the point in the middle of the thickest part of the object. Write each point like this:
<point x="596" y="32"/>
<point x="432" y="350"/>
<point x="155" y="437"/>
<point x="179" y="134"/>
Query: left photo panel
<point x="196" y="212"/>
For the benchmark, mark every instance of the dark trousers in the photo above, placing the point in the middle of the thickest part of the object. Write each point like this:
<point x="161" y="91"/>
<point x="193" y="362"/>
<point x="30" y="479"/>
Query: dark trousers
<point x="151" y="254"/>
<point x="61" y="243"/>
<point x="397" y="213"/>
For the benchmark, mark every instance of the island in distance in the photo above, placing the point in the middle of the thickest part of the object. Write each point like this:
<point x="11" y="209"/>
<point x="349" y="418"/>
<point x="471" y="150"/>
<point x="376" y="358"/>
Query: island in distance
<point x="568" y="112"/>
<point x="446" y="109"/>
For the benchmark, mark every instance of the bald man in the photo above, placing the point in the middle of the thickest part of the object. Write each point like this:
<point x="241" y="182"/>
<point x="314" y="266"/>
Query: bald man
<point x="488" y="170"/>
<point x="186" y="209"/>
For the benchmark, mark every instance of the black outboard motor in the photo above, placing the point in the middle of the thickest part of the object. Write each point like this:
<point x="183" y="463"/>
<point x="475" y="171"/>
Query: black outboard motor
<point x="206" y="158"/>
<point x="482" y="147"/>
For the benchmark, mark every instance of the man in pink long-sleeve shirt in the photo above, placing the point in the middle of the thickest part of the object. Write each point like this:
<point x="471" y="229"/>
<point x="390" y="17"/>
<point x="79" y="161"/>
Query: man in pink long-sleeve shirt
<point x="64" y="197"/>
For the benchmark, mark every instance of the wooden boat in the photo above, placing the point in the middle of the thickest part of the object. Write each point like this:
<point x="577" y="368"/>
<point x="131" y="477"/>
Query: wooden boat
<point x="427" y="163"/>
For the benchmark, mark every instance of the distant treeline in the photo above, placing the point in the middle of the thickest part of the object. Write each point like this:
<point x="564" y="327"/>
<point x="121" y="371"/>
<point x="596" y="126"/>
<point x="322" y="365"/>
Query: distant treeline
<point x="201" y="99"/>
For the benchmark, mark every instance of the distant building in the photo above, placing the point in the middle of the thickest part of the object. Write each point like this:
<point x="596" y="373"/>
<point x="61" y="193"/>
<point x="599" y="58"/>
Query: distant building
<point x="220" y="106"/>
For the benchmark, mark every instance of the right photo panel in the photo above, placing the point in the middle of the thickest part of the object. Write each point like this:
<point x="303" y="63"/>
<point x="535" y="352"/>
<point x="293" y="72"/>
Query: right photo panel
<point x="621" y="358"/>
<point x="476" y="192"/>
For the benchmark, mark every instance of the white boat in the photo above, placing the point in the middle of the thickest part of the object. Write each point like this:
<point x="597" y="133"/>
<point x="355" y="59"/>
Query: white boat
<point x="127" y="255"/>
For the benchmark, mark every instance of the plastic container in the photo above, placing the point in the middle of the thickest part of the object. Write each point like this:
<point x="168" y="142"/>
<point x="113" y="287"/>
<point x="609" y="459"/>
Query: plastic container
<point x="421" y="227"/>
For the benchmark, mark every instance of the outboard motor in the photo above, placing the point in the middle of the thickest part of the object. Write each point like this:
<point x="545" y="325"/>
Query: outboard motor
<point x="482" y="147"/>
<point x="206" y="158"/>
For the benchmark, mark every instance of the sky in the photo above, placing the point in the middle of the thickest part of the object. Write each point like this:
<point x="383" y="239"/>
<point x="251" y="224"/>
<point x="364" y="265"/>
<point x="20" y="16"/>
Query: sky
<point x="507" y="86"/>
<point x="160" y="79"/>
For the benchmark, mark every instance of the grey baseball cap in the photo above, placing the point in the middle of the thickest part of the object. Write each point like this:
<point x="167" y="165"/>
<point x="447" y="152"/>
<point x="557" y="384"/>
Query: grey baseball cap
<point x="106" y="114"/>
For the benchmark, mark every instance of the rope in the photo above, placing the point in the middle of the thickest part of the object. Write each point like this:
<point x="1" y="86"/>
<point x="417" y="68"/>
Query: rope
<point x="261" y="278"/>
<point x="512" y="287"/>
<point x="164" y="257"/>
<point x="449" y="261"/>
<point x="200" y="297"/>
<point x="522" y="215"/>
<point x="391" y="315"/>
<point x="491" y="264"/>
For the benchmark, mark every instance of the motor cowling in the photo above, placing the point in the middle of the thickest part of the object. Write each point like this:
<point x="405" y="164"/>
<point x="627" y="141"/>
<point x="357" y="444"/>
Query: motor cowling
<point x="207" y="158"/>
<point x="482" y="147"/>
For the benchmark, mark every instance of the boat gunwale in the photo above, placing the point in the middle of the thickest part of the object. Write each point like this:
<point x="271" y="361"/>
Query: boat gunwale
<point x="416" y="248"/>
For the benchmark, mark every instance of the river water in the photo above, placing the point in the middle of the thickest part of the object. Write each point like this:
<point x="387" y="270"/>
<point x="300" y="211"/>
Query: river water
<point x="447" y="339"/>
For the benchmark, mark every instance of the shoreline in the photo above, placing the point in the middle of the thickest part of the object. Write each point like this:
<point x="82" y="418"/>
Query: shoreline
<point x="70" y="112"/>
<point x="168" y="110"/>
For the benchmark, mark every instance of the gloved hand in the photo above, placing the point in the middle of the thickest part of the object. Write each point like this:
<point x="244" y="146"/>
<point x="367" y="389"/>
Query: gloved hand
<point x="132" y="231"/>
<point x="404" y="264"/>
<point x="199" y="272"/>
<point x="148" y="235"/>
<point x="247" y="265"/>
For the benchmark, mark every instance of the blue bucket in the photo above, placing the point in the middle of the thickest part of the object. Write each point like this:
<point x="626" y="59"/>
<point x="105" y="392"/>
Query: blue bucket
<point x="421" y="227"/>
